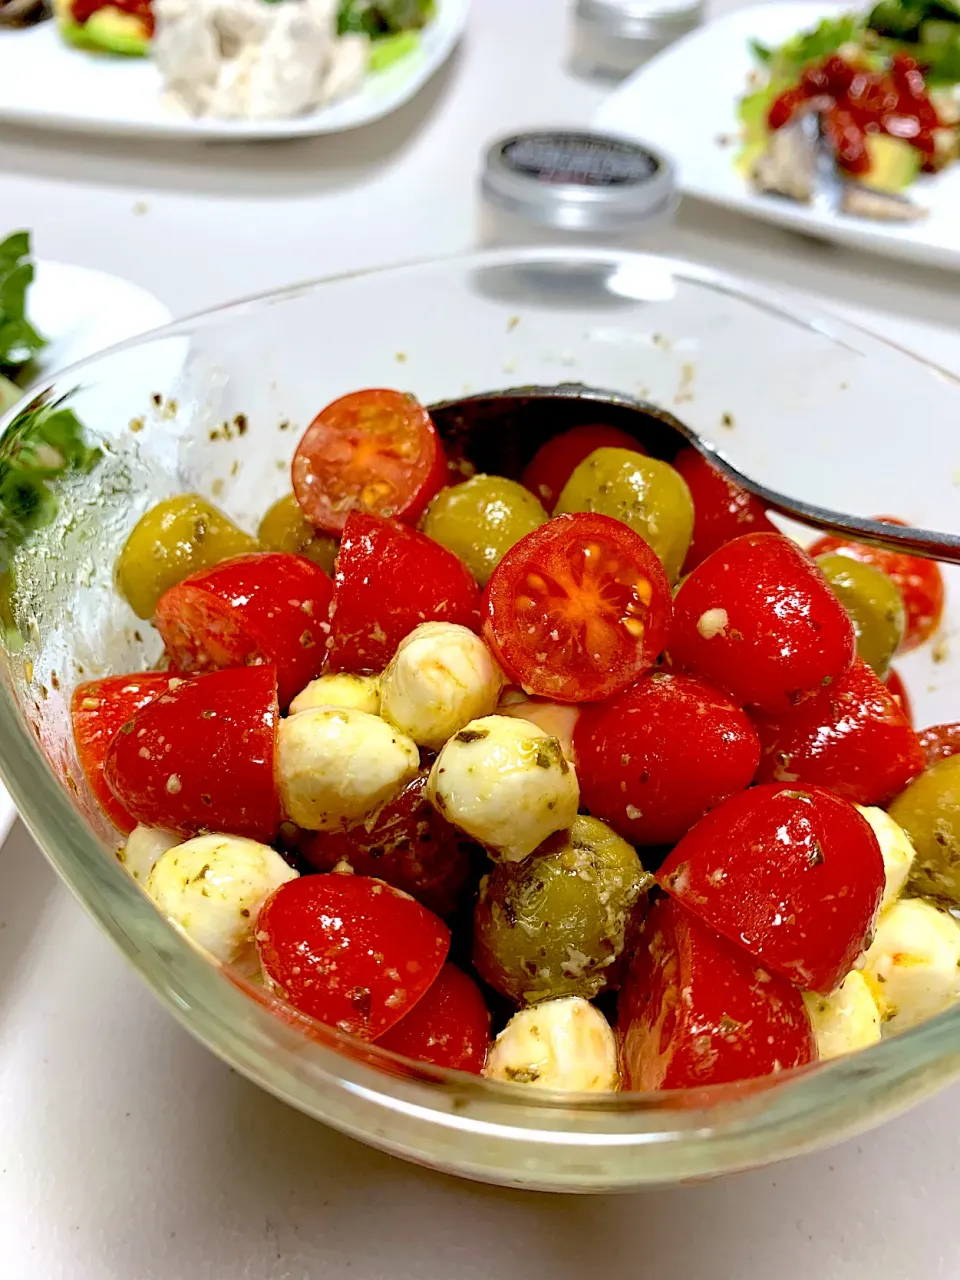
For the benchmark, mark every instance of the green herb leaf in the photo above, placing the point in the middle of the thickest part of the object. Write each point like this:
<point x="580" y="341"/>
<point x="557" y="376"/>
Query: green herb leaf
<point x="19" y="341"/>
<point x="45" y="442"/>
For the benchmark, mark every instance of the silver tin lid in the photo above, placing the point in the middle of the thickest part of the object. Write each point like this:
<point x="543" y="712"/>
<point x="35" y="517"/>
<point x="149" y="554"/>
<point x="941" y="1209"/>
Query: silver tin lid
<point x="578" y="181"/>
<point x="651" y="22"/>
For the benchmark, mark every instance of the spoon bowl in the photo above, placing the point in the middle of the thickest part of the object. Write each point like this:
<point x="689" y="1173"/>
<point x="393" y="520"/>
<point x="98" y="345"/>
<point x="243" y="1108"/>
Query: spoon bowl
<point x="501" y="427"/>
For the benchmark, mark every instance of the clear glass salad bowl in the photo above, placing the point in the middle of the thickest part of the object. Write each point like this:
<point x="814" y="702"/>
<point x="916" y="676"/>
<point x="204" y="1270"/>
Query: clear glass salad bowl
<point x="215" y="404"/>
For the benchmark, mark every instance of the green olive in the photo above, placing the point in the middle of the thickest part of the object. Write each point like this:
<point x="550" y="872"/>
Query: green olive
<point x="481" y="519"/>
<point x="558" y="923"/>
<point x="174" y="539"/>
<point x="648" y="495"/>
<point x="286" y="528"/>
<point x="874" y="604"/>
<point x="929" y="812"/>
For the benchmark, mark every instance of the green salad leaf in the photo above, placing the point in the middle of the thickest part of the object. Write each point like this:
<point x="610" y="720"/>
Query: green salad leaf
<point x="826" y="37"/>
<point x="379" y="18"/>
<point x="45" y="442"/>
<point x="19" y="341"/>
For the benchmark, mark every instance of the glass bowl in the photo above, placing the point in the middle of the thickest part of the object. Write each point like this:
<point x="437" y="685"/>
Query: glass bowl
<point x="216" y="404"/>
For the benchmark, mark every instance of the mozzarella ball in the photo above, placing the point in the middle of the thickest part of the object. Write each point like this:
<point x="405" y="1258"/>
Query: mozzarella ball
<point x="506" y="783"/>
<point x="336" y="767"/>
<point x="552" y="717"/>
<point x="559" y="1044"/>
<point x="213" y="887"/>
<point x="898" y="852"/>
<point x="911" y="966"/>
<point x="143" y="849"/>
<point x="441" y="677"/>
<point x="355" y="693"/>
<point x="846" y="1020"/>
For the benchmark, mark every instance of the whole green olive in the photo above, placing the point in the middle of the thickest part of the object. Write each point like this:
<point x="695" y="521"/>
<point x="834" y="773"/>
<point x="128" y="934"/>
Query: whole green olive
<point x="929" y="812"/>
<point x="175" y="538"/>
<point x="646" y="494"/>
<point x="481" y="519"/>
<point x="874" y="604"/>
<point x="284" y="527"/>
<point x="558" y="923"/>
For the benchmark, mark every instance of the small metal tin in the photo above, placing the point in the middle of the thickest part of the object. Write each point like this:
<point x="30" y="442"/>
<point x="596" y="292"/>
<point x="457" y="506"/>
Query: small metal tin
<point x="615" y="37"/>
<point x="589" y="184"/>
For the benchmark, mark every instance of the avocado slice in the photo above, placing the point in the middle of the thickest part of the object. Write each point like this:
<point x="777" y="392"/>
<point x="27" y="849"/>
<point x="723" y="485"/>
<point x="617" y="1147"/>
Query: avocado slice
<point x="108" y="30"/>
<point x="894" y="164"/>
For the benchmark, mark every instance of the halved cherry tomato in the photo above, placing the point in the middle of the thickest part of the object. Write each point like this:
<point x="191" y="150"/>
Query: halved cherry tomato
<point x="374" y="451"/>
<point x="389" y="579"/>
<point x="758" y="619"/>
<point x="555" y="462"/>
<point x="350" y="951"/>
<point x="898" y="689"/>
<point x="449" y="1027"/>
<point x="577" y="609"/>
<point x="653" y="760"/>
<point x="920" y="581"/>
<point x="939" y="742"/>
<point x="722" y="510"/>
<point x="201" y="757"/>
<point x="794" y="875"/>
<point x="696" y="1011"/>
<point x="269" y="608"/>
<point x="852" y="738"/>
<point x="99" y="709"/>
<point x="407" y="844"/>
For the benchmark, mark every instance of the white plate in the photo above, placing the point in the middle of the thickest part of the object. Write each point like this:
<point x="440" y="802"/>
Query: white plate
<point x="80" y="312"/>
<point x="684" y="102"/>
<point x="45" y="82"/>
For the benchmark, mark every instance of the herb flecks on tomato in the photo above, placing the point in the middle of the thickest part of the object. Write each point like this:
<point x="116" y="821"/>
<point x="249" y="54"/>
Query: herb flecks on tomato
<point x="270" y="608"/>
<point x="656" y="758"/>
<point x="794" y="875"/>
<point x="375" y="451"/>
<point x="202" y="756"/>
<point x="695" y="1011"/>
<point x="852" y="738"/>
<point x="389" y="579"/>
<point x="757" y="619"/>
<point x="577" y="609"/>
<point x="350" y="951"/>
<point x="99" y="709"/>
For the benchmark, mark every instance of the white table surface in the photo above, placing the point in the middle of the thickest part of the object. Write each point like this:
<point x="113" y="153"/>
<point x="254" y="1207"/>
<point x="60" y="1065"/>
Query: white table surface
<point x="127" y="1152"/>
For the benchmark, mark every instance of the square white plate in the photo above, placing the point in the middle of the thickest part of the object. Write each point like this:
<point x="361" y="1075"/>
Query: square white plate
<point x="684" y="102"/>
<point x="79" y="312"/>
<point x="46" y="82"/>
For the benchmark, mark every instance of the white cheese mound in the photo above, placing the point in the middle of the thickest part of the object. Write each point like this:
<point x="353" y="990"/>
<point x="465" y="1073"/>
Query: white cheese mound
<point x="249" y="60"/>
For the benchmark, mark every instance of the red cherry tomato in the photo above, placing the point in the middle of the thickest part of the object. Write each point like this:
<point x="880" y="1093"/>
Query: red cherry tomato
<point x="449" y="1027"/>
<point x="722" y="510"/>
<point x="389" y="579"/>
<point x="269" y="609"/>
<point x="920" y="581"/>
<point x="939" y="742"/>
<point x="577" y="609"/>
<point x="653" y="760"/>
<point x="555" y="462"/>
<point x="898" y="690"/>
<point x="852" y="738"/>
<point x="201" y="757"/>
<point x="696" y="1011"/>
<point x="374" y="451"/>
<point x="352" y="952"/>
<point x="408" y="844"/>
<point x="792" y="875"/>
<point x="758" y="619"/>
<point x="99" y="709"/>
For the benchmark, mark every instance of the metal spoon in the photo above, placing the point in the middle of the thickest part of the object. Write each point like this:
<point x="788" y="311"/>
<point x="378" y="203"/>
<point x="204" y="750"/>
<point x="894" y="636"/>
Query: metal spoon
<point x="500" y="430"/>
